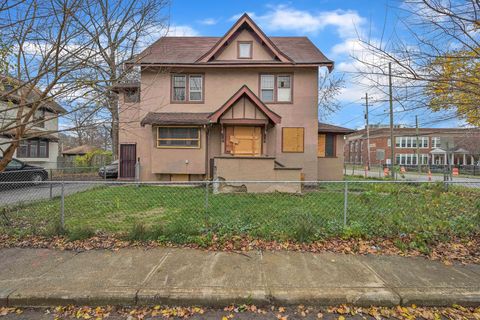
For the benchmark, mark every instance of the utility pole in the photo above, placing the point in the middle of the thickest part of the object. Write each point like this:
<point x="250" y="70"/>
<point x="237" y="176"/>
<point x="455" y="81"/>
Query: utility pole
<point x="418" y="145"/>
<point x="367" y="129"/>
<point x="392" y="142"/>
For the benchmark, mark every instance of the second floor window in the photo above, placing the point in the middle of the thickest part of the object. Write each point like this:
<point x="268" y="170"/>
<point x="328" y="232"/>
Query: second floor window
<point x="436" y="142"/>
<point x="187" y="88"/>
<point x="276" y="88"/>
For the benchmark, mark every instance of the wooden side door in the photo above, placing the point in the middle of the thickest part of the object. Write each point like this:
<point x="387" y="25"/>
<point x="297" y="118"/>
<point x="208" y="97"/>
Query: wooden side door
<point x="128" y="158"/>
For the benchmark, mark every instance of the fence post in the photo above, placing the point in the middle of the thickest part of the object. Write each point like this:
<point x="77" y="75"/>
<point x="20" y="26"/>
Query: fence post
<point x="345" y="204"/>
<point x="51" y="185"/>
<point x="62" y="207"/>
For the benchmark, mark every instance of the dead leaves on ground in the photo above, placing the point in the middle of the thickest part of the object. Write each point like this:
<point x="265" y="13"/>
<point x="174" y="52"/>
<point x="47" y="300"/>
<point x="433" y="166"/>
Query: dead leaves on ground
<point x="6" y="311"/>
<point x="342" y="312"/>
<point x="457" y="250"/>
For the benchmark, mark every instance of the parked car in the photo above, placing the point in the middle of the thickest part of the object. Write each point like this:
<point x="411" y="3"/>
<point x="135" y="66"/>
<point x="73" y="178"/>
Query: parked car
<point x="17" y="170"/>
<point x="109" y="171"/>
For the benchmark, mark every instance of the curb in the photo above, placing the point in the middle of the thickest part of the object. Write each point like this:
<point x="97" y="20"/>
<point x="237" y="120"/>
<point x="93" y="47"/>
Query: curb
<point x="218" y="297"/>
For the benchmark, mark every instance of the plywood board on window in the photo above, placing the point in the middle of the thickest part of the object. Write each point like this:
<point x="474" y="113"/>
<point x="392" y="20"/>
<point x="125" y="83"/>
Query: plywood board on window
<point x="292" y="139"/>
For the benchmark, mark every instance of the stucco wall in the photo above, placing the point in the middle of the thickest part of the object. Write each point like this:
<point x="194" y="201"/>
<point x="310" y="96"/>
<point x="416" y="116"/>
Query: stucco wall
<point x="331" y="169"/>
<point x="256" y="169"/>
<point x="220" y="84"/>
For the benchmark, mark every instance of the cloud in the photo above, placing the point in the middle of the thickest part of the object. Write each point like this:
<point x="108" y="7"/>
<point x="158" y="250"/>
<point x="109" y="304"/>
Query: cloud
<point x="181" y="31"/>
<point x="286" y="18"/>
<point x="208" y="21"/>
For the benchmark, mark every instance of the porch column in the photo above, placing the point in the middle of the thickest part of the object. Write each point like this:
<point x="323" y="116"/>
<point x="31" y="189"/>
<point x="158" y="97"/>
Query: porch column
<point x="453" y="158"/>
<point x="445" y="159"/>
<point x="464" y="159"/>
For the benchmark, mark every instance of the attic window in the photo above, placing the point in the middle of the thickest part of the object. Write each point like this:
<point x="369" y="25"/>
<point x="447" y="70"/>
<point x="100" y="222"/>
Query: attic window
<point x="244" y="49"/>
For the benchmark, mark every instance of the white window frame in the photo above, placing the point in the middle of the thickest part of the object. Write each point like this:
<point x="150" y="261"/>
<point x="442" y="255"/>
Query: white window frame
<point x="195" y="90"/>
<point x="411" y="142"/>
<point x="262" y="88"/>
<point x="436" y="142"/>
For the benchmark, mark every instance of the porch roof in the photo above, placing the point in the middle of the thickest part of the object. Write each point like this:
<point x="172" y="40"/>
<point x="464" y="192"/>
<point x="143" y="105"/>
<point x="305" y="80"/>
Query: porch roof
<point x="172" y="118"/>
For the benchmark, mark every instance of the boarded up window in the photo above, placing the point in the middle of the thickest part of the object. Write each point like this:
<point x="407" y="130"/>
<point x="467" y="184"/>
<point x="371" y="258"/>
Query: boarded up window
<point x="292" y="139"/>
<point x="321" y="145"/>
<point x="326" y="145"/>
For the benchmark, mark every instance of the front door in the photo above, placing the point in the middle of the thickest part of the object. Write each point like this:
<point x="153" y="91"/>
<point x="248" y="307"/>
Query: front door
<point x="243" y="141"/>
<point x="128" y="158"/>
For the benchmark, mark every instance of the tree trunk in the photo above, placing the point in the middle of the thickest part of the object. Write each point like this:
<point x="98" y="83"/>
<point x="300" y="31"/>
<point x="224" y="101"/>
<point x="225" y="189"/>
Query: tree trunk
<point x="114" y="125"/>
<point x="8" y="155"/>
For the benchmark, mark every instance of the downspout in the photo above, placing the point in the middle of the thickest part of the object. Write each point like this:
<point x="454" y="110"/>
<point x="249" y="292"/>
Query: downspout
<point x="207" y="172"/>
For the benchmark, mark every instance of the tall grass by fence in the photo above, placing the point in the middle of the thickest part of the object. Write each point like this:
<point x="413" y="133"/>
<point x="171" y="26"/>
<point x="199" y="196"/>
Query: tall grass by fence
<point x="193" y="212"/>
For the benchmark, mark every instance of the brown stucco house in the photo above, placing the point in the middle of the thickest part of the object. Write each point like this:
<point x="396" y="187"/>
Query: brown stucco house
<point x="238" y="107"/>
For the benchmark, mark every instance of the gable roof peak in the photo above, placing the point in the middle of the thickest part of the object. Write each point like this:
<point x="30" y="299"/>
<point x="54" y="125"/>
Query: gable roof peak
<point x="245" y="91"/>
<point x="245" y="19"/>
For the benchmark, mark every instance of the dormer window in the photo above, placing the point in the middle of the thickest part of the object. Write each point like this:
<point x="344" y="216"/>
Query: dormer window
<point x="245" y="49"/>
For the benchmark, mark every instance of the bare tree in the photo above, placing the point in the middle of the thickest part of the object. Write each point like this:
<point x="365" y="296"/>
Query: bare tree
<point x="47" y="62"/>
<point x="120" y="30"/>
<point x="430" y="33"/>
<point x="328" y="89"/>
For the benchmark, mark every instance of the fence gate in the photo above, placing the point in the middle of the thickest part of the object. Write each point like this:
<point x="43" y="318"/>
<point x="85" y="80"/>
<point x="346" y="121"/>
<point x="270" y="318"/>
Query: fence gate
<point x="128" y="157"/>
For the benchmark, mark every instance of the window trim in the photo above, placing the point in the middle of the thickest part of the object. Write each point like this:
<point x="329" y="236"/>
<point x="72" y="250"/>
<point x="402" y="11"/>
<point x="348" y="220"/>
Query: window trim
<point x="199" y="138"/>
<point x="187" y="88"/>
<point x="275" y="86"/>
<point x="405" y="140"/>
<point x="303" y="139"/>
<point x="403" y="158"/>
<point x="28" y="142"/>
<point x="334" y="145"/>
<point x="250" y="57"/>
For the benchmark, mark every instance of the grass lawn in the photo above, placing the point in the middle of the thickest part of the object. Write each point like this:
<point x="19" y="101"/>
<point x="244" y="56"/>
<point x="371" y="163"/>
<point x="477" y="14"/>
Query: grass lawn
<point x="181" y="214"/>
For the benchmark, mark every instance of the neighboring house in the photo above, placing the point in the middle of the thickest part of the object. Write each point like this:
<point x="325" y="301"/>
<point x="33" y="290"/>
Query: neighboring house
<point x="40" y="143"/>
<point x="239" y="107"/>
<point x="462" y="144"/>
<point x="82" y="150"/>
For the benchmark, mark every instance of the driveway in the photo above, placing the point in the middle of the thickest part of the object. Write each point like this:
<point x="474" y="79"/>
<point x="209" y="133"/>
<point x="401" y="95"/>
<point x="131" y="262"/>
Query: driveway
<point x="11" y="196"/>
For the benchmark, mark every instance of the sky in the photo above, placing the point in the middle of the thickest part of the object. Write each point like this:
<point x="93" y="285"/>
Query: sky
<point x="333" y="26"/>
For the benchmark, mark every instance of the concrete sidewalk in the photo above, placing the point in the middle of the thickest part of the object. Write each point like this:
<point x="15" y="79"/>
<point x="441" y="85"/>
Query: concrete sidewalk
<point x="42" y="277"/>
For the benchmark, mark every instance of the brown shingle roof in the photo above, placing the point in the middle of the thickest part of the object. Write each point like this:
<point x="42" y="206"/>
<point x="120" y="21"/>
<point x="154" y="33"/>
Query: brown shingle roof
<point x="169" y="118"/>
<point x="325" y="127"/>
<point x="187" y="50"/>
<point x="80" y="150"/>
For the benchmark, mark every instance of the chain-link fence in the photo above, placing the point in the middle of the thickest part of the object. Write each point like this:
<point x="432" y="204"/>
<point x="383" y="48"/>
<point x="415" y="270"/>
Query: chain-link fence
<point x="194" y="211"/>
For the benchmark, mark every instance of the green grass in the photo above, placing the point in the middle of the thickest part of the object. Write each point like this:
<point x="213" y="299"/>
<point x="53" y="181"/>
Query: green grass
<point x="179" y="214"/>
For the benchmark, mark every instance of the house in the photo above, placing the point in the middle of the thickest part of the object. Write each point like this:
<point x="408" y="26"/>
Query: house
<point x="239" y="107"/>
<point x="78" y="151"/>
<point x="40" y="144"/>
<point x="461" y="144"/>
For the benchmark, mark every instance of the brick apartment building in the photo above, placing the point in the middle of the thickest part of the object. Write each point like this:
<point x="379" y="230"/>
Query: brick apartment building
<point x="461" y="145"/>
